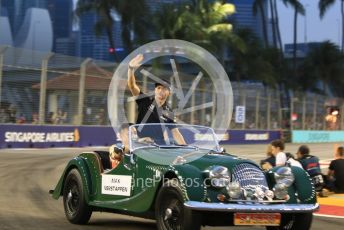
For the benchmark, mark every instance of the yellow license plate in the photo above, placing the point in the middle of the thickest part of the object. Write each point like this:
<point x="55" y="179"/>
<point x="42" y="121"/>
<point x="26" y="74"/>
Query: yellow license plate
<point x="265" y="219"/>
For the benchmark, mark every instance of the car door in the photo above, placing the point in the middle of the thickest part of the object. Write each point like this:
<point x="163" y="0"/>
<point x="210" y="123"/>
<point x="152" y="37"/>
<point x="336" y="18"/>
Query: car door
<point x="118" y="183"/>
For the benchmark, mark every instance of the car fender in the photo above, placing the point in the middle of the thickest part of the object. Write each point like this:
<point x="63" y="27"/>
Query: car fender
<point x="302" y="185"/>
<point x="192" y="182"/>
<point x="80" y="164"/>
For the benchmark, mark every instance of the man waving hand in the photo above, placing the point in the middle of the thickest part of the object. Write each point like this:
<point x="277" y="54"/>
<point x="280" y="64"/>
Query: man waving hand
<point x="152" y="109"/>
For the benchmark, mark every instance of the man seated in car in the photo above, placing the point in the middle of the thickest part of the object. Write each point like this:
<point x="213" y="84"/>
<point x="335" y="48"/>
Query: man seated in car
<point x="116" y="151"/>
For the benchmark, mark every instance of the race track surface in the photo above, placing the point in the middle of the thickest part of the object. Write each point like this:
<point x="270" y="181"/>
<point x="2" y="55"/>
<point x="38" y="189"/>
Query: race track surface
<point x="27" y="175"/>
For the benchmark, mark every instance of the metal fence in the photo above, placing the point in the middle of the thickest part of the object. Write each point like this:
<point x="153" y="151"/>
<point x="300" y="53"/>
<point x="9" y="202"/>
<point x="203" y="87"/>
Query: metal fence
<point x="306" y="111"/>
<point x="49" y="88"/>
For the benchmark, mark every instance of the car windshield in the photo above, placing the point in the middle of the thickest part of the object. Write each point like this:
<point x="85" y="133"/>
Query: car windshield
<point x="172" y="136"/>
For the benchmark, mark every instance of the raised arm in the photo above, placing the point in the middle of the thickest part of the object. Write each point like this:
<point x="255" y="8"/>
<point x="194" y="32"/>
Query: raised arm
<point x="133" y="65"/>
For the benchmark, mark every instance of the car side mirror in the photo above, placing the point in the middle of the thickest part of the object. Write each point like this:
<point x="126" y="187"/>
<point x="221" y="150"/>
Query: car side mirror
<point x="118" y="150"/>
<point x="128" y="160"/>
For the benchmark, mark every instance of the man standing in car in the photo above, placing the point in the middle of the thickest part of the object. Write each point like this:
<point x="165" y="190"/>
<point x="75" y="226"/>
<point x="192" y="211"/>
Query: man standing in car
<point x="152" y="109"/>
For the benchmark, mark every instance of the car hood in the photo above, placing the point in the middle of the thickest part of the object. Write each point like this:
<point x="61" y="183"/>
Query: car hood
<point x="200" y="158"/>
<point x="225" y="160"/>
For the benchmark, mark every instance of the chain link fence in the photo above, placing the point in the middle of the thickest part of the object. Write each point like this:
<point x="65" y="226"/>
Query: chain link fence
<point x="48" y="88"/>
<point x="54" y="89"/>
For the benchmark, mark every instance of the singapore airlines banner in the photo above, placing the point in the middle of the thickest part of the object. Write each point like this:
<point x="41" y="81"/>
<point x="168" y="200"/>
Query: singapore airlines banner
<point x="41" y="136"/>
<point x="46" y="136"/>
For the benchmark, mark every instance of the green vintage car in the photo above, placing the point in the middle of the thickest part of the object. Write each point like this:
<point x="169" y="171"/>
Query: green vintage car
<point x="185" y="186"/>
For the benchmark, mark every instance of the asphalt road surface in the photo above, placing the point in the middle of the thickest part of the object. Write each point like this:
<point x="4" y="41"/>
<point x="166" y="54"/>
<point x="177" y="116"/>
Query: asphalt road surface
<point x="27" y="175"/>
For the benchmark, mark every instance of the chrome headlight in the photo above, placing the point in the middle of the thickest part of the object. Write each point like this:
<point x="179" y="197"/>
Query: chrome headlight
<point x="281" y="191"/>
<point x="234" y="190"/>
<point x="259" y="193"/>
<point x="284" y="176"/>
<point x="269" y="195"/>
<point x="219" y="176"/>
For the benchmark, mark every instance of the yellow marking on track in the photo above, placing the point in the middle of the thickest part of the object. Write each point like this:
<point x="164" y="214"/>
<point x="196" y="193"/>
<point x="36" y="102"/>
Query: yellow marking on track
<point x="334" y="199"/>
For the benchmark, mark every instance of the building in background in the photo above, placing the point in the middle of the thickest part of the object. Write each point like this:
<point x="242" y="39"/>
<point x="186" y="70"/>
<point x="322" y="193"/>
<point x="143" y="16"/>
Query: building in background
<point x="66" y="46"/>
<point x="76" y="37"/>
<point x="17" y="10"/>
<point x="5" y="29"/>
<point x="44" y="25"/>
<point x="302" y="49"/>
<point x="61" y="12"/>
<point x="36" y="32"/>
<point x="98" y="46"/>
<point x="245" y="18"/>
<point x="63" y="22"/>
<point x="28" y="21"/>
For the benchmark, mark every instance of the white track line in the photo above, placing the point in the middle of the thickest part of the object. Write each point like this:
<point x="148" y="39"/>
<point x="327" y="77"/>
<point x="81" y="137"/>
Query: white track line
<point x="325" y="163"/>
<point x="329" y="216"/>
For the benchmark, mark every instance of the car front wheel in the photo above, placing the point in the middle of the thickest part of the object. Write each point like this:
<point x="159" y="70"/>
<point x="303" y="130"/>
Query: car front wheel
<point x="76" y="209"/>
<point x="295" y="222"/>
<point x="170" y="212"/>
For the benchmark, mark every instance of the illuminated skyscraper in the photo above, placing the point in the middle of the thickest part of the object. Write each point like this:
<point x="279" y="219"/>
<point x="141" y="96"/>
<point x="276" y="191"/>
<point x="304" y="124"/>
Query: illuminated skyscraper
<point x="245" y="18"/>
<point x="97" y="46"/>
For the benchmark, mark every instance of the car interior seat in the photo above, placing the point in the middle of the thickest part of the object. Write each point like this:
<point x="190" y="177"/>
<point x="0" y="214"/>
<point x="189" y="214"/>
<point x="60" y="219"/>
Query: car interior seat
<point x="104" y="158"/>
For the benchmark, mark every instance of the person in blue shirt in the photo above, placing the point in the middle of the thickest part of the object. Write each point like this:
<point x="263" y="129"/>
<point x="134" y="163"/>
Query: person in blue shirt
<point x="311" y="164"/>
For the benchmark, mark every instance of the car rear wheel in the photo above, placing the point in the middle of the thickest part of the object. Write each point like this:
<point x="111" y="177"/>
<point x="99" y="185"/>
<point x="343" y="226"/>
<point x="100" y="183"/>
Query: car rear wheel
<point x="294" y="222"/>
<point x="76" y="209"/>
<point x="170" y="212"/>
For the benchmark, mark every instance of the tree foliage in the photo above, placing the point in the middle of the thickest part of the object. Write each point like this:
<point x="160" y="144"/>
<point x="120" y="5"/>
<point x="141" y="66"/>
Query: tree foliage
<point x="206" y="23"/>
<point x="132" y="12"/>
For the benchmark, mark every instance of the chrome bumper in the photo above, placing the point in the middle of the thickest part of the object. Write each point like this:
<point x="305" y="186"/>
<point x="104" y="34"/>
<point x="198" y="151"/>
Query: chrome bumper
<point x="280" y="208"/>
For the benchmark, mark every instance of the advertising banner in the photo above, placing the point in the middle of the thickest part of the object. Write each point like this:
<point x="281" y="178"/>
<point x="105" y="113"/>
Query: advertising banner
<point x="301" y="136"/>
<point x="45" y="136"/>
<point x="250" y="136"/>
<point x="48" y="136"/>
<point x="240" y="114"/>
<point x="233" y="136"/>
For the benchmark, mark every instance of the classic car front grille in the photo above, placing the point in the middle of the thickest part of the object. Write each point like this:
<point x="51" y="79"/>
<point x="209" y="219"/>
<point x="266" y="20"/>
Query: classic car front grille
<point x="249" y="177"/>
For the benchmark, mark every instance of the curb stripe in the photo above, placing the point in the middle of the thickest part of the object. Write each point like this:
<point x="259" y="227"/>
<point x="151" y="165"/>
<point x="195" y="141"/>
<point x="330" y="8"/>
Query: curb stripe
<point x="329" y="216"/>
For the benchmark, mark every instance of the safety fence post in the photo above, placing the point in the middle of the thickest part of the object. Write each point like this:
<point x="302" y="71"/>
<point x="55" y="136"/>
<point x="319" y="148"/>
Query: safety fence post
<point x="83" y="68"/>
<point x="257" y="110"/>
<point x="43" y="88"/>
<point x="268" y="112"/>
<point x="2" y="51"/>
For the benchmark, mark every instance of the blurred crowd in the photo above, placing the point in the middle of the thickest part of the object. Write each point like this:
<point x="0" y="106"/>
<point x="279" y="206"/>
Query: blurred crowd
<point x="333" y="181"/>
<point x="98" y="116"/>
<point x="10" y="114"/>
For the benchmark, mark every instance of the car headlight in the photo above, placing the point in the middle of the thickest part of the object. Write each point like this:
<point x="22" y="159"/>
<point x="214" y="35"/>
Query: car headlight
<point x="219" y="176"/>
<point x="234" y="190"/>
<point x="284" y="176"/>
<point x="281" y="191"/>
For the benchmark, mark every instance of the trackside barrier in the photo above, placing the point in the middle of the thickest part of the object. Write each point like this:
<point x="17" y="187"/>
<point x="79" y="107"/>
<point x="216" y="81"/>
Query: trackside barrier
<point x="250" y="136"/>
<point x="300" y="136"/>
<point x="47" y="136"/>
<point x="44" y="136"/>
